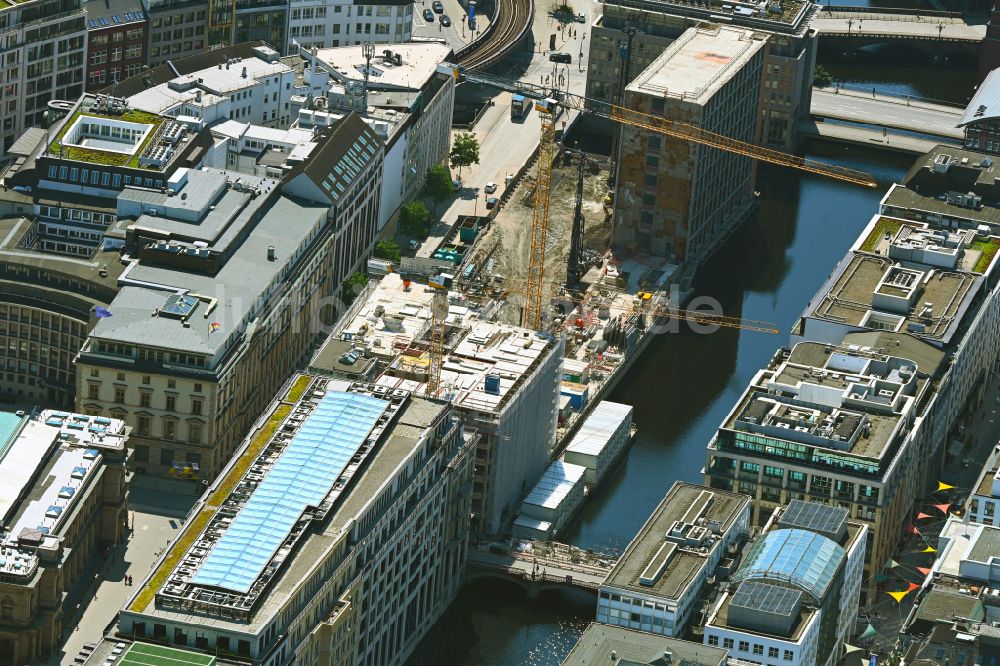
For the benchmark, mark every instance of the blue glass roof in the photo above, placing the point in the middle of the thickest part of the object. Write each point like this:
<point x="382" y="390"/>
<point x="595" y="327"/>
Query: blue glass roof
<point x="804" y="559"/>
<point x="301" y="477"/>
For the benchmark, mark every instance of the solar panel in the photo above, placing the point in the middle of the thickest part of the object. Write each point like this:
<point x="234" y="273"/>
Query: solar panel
<point x="301" y="477"/>
<point x="179" y="305"/>
<point x="104" y="21"/>
<point x="117" y="19"/>
<point x="815" y="517"/>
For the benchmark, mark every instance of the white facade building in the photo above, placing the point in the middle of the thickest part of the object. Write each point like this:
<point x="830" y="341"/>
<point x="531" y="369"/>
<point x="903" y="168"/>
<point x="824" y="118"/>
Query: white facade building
<point x="657" y="583"/>
<point x="331" y="23"/>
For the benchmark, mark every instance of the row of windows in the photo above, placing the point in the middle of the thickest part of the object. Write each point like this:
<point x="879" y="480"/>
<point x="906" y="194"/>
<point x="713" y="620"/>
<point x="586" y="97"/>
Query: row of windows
<point x="101" y="178"/>
<point x="744" y="646"/>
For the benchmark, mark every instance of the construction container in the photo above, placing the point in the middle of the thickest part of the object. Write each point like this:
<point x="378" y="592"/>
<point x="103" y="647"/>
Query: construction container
<point x="553" y="500"/>
<point x="577" y="394"/>
<point x="575" y="371"/>
<point x="601" y="439"/>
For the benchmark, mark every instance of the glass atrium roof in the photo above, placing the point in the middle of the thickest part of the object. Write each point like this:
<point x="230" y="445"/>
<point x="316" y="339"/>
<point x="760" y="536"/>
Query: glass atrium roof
<point x="804" y="559"/>
<point x="301" y="477"/>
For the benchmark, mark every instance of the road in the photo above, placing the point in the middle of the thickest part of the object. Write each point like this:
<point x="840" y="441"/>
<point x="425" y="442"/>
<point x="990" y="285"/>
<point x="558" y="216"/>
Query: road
<point x="505" y="145"/>
<point x="457" y="34"/>
<point x="863" y="136"/>
<point x="887" y="111"/>
<point x="153" y="529"/>
<point x="589" y="575"/>
<point x="923" y="27"/>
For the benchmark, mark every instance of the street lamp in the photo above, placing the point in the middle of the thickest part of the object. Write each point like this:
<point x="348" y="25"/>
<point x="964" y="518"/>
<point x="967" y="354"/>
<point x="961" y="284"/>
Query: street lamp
<point x="368" y="51"/>
<point x="850" y="22"/>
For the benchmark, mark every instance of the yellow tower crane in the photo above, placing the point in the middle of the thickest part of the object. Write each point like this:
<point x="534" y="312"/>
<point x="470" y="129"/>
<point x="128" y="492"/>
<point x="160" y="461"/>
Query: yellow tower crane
<point x="548" y="101"/>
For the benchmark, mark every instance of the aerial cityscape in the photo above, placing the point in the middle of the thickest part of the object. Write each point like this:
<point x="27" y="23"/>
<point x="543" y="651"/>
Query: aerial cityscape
<point x="500" y="332"/>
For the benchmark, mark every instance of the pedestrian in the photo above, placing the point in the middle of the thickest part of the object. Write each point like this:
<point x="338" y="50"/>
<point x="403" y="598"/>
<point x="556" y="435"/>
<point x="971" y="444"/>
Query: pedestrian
<point x="873" y="92"/>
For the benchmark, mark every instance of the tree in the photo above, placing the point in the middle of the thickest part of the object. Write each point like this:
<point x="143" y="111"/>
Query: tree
<point x="438" y="185"/>
<point x="353" y="286"/>
<point x="821" y="77"/>
<point x="414" y="218"/>
<point x="464" y="152"/>
<point x="387" y="249"/>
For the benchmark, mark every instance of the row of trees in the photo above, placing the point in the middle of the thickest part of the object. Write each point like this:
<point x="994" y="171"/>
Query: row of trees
<point x="414" y="218"/>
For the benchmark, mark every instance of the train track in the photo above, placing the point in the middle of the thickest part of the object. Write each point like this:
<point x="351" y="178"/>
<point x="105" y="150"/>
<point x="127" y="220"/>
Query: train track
<point x="510" y="23"/>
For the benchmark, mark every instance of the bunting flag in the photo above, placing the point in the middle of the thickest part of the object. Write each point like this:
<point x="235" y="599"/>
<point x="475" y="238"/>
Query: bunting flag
<point x="881" y="577"/>
<point x="922" y="515"/>
<point x="943" y="508"/>
<point x="214" y="326"/>
<point x="912" y="529"/>
<point x="924" y="570"/>
<point x="912" y="586"/>
<point x="944" y="486"/>
<point x="850" y="649"/>
<point x="869" y="631"/>
<point x="101" y="313"/>
<point x="929" y="549"/>
<point x="898" y="596"/>
<point x="891" y="564"/>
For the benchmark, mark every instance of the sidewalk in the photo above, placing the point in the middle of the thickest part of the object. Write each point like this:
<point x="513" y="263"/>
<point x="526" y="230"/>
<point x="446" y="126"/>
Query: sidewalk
<point x="151" y="534"/>
<point x="918" y="102"/>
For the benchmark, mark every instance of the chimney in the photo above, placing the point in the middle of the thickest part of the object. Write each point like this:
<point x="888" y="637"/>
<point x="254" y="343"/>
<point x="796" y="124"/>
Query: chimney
<point x="270" y="253"/>
<point x="227" y="64"/>
<point x="244" y="74"/>
<point x="197" y="96"/>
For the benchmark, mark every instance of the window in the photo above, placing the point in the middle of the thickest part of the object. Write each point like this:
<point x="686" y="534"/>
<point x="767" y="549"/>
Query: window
<point x="120" y="394"/>
<point x="171" y="403"/>
<point x="194" y="434"/>
<point x="144" y="429"/>
<point x="758" y="648"/>
<point x="752" y="468"/>
<point x="772" y="653"/>
<point x="197" y="388"/>
<point x="744" y="646"/>
<point x="196" y="406"/>
<point x="121" y="376"/>
<point x="93" y="391"/>
<point x="727" y="643"/>
<point x="169" y="428"/>
<point x="713" y="640"/>
<point x="144" y="398"/>
<point x="789" y="655"/>
<point x="141" y="452"/>
<point x="171" y="383"/>
<point x="166" y="457"/>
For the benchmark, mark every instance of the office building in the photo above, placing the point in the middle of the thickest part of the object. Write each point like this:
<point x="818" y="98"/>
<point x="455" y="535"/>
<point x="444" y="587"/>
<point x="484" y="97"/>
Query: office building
<point x="176" y="29"/>
<point x="325" y="24"/>
<point x="503" y="380"/>
<point x="337" y="535"/>
<point x="116" y="41"/>
<point x="658" y="582"/>
<point x="832" y="424"/>
<point x="64" y="500"/>
<point x="44" y="60"/>
<point x="674" y="198"/>
<point x="614" y="646"/>
<point x="790" y="58"/>
<point x="794" y="598"/>
<point x="229" y="280"/>
<point x="256" y="90"/>
<point x="410" y="103"/>
<point x="179" y="64"/>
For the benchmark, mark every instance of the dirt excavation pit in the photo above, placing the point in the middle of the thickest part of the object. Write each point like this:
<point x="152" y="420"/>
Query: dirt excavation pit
<point x="512" y="228"/>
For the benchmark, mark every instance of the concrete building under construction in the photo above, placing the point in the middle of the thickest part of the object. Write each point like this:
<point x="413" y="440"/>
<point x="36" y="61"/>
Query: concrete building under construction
<point x="675" y="198"/>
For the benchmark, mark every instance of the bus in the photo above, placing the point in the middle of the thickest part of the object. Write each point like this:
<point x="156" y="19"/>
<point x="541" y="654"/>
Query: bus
<point x="519" y="106"/>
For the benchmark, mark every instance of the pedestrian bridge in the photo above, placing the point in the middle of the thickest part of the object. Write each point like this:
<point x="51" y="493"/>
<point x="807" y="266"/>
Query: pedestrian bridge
<point x="938" y="33"/>
<point x="537" y="574"/>
<point x="880" y="111"/>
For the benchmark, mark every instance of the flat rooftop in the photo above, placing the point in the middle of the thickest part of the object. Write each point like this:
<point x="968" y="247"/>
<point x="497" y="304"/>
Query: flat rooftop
<point x="224" y="298"/>
<point x="720" y="618"/>
<point x="850" y="296"/>
<point x="637" y="648"/>
<point x="557" y="482"/>
<point x="419" y="64"/>
<point x="394" y="439"/>
<point x="698" y="63"/>
<point x="790" y="19"/>
<point x="932" y="203"/>
<point x="683" y="565"/>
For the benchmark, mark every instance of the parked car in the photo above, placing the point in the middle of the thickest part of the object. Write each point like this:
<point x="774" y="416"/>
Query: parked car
<point x="445" y="21"/>
<point x="491" y="202"/>
<point x="559" y="56"/>
<point x="414" y="245"/>
<point x="490" y="188"/>
<point x="437" y="7"/>
<point x="581" y="18"/>
<point x="966" y="462"/>
<point x="428" y="15"/>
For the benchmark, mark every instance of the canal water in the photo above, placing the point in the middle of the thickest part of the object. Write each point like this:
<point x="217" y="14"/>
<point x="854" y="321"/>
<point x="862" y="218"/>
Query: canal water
<point x="687" y="383"/>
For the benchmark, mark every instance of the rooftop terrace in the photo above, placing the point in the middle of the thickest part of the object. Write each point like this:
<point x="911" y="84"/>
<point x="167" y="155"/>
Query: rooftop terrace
<point x="665" y="557"/>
